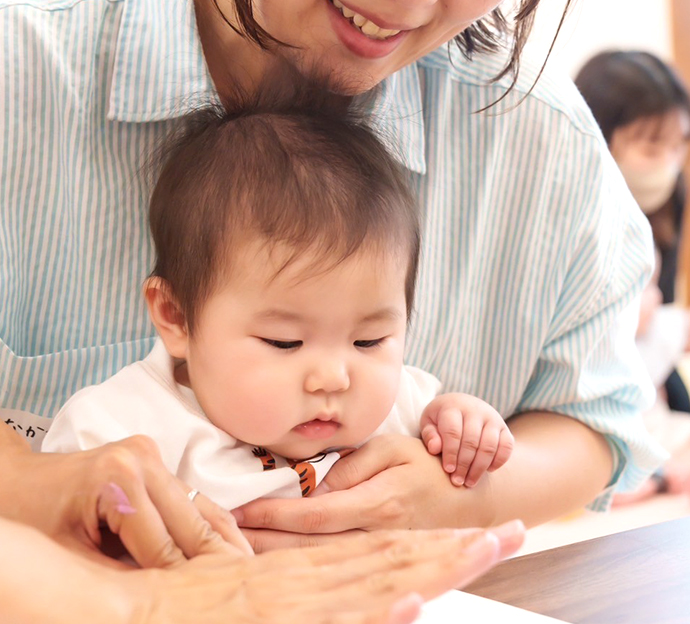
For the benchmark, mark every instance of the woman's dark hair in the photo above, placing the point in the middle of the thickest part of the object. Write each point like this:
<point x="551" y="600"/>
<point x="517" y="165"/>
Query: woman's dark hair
<point x="291" y="164"/>
<point x="485" y="35"/>
<point x="623" y="86"/>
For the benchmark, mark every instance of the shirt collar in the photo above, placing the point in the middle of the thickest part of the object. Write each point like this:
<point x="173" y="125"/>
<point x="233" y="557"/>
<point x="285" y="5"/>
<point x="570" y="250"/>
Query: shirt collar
<point x="160" y="73"/>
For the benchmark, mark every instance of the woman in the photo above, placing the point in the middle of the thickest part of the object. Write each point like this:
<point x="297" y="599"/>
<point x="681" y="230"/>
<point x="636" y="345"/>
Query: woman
<point x="528" y="281"/>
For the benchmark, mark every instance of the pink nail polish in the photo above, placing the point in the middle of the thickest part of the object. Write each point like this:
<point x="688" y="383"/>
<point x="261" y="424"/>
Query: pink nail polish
<point x="126" y="510"/>
<point x="122" y="504"/>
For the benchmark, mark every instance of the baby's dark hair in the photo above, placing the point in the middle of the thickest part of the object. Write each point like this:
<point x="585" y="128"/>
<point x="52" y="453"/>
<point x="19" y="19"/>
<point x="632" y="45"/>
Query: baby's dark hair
<point x="292" y="164"/>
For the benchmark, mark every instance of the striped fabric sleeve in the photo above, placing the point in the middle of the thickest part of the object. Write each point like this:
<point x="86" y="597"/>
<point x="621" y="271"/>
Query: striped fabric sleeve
<point x="589" y="367"/>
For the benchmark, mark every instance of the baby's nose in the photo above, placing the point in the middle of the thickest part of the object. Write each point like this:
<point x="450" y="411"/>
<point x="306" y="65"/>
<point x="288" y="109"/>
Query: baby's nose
<point x="328" y="376"/>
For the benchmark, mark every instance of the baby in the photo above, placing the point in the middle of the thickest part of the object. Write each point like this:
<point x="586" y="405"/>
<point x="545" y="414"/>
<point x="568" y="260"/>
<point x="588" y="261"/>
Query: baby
<point x="287" y="246"/>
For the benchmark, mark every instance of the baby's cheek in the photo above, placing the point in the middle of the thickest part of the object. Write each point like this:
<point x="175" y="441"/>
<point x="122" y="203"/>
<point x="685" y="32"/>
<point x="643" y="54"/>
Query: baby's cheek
<point x="261" y="423"/>
<point x="382" y="398"/>
<point x="249" y="415"/>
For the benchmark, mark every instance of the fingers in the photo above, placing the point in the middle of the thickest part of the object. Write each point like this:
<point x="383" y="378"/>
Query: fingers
<point x="511" y="536"/>
<point x="330" y="513"/>
<point x="405" y="610"/>
<point x="363" y="544"/>
<point x="375" y="578"/>
<point x="429" y="569"/>
<point x="374" y="457"/>
<point x="486" y="446"/>
<point x="471" y="436"/>
<point x="123" y="502"/>
<point x="264" y="540"/>
<point x="223" y="522"/>
<point x="450" y="426"/>
<point x="149" y="510"/>
<point x="364" y="503"/>
<point x="432" y="439"/>
<point x="486" y="451"/>
<point x="382" y="577"/>
<point x="387" y="566"/>
<point x="506" y="444"/>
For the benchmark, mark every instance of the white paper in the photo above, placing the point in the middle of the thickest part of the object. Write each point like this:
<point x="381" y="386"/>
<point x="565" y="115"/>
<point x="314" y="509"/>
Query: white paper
<point x="30" y="426"/>
<point x="455" y="607"/>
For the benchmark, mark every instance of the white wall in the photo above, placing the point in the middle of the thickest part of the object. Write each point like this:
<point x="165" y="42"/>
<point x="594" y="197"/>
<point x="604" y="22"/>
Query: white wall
<point x="596" y="25"/>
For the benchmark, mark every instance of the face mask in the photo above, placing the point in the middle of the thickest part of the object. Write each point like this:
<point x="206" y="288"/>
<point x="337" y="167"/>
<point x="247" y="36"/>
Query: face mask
<point x="651" y="187"/>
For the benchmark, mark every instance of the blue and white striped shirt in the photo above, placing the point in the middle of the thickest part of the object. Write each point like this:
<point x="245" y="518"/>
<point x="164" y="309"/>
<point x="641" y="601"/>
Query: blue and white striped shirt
<point x="534" y="250"/>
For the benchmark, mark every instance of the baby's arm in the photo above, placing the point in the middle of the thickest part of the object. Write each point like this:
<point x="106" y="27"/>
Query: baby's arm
<point x="469" y="433"/>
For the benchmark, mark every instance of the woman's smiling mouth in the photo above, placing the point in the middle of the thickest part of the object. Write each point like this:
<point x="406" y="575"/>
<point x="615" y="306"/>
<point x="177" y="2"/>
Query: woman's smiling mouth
<point x="364" y="25"/>
<point x="362" y="36"/>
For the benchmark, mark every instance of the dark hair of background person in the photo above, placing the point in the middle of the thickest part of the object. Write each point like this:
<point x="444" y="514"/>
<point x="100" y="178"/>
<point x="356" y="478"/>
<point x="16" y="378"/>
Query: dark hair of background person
<point x="485" y="35"/>
<point x="625" y="85"/>
<point x="621" y="87"/>
<point x="290" y="164"/>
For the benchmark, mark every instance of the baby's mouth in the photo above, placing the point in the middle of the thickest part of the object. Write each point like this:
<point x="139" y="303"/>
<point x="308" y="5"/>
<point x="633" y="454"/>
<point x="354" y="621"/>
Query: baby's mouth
<point x="365" y="26"/>
<point x="317" y="429"/>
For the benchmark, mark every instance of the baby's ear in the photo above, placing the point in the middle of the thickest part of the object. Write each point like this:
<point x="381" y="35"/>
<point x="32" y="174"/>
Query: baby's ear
<point x="167" y="316"/>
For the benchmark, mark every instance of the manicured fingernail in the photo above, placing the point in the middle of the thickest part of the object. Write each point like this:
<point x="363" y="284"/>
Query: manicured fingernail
<point x="125" y="509"/>
<point x="469" y="483"/>
<point x="122" y="504"/>
<point x="450" y="467"/>
<point x="457" y="481"/>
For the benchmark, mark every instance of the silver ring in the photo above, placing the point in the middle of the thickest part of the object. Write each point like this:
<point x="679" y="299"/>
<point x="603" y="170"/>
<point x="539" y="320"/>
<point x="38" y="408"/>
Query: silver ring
<point x="192" y="495"/>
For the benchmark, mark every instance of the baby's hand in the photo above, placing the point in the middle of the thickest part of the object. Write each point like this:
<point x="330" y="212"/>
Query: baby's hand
<point x="470" y="434"/>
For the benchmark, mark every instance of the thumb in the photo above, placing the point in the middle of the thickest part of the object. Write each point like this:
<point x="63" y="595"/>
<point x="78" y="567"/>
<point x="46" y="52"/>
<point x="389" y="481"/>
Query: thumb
<point x="357" y="466"/>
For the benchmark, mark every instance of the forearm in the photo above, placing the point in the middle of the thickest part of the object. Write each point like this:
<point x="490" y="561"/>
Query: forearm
<point x="558" y="465"/>
<point x="42" y="582"/>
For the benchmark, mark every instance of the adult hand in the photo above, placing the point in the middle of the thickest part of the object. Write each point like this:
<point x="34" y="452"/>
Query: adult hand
<point x="392" y="482"/>
<point x="123" y="487"/>
<point x="382" y="577"/>
<point x="379" y="577"/>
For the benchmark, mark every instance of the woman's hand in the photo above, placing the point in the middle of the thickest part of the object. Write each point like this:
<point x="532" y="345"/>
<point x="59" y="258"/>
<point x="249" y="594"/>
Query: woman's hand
<point x="558" y="465"/>
<point x="371" y="578"/>
<point x="382" y="577"/>
<point x="392" y="482"/>
<point x="123" y="487"/>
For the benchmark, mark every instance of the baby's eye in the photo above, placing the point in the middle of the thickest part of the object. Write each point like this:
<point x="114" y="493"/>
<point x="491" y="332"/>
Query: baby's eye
<point x="366" y="344"/>
<point x="283" y="344"/>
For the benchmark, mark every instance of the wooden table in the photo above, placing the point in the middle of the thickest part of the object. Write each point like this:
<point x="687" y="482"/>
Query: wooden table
<point x="636" y="577"/>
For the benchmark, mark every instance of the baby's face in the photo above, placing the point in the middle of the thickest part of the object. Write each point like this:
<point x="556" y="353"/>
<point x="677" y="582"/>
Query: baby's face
<point x="300" y="361"/>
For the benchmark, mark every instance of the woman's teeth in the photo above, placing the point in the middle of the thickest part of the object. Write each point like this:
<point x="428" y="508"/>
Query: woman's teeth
<point x="363" y="24"/>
